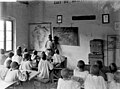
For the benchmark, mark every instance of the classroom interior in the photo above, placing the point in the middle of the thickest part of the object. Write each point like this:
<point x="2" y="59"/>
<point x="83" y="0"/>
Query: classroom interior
<point x="105" y="25"/>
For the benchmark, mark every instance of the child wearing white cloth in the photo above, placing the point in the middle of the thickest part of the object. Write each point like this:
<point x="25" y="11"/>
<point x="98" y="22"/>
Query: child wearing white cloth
<point x="116" y="83"/>
<point x="93" y="81"/>
<point x="65" y="82"/>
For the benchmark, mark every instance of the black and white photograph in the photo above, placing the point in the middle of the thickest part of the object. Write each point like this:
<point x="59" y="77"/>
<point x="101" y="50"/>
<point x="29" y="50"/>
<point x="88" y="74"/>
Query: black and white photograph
<point x="59" y="44"/>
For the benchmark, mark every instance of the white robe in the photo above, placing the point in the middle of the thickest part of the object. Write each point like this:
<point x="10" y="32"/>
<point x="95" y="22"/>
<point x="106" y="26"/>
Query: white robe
<point x="3" y="72"/>
<point x="95" y="82"/>
<point x="25" y="65"/>
<point x="17" y="59"/>
<point x="67" y="84"/>
<point x="58" y="58"/>
<point x="15" y="75"/>
<point x="43" y="67"/>
<point x="83" y="74"/>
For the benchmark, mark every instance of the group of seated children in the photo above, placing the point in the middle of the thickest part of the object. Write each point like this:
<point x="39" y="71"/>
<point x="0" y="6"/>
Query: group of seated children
<point x="94" y="79"/>
<point x="16" y="66"/>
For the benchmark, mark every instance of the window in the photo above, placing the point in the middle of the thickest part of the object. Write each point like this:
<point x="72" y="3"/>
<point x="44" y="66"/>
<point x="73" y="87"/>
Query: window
<point x="6" y="35"/>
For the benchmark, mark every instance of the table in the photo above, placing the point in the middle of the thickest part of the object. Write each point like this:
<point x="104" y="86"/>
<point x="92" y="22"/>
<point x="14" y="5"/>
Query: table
<point x="4" y="85"/>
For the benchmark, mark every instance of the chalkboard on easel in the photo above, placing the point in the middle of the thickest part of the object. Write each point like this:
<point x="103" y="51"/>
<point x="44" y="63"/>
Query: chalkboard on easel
<point x="67" y="35"/>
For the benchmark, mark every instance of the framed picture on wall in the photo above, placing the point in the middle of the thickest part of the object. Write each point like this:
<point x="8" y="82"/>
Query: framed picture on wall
<point x="38" y="35"/>
<point x="59" y="18"/>
<point x="105" y="18"/>
<point x="113" y="41"/>
<point x="117" y="26"/>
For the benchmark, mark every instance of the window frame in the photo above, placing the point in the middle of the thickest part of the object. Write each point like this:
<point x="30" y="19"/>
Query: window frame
<point x="5" y="36"/>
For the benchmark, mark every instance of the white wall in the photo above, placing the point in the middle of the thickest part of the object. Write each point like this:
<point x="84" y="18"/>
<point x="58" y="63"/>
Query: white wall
<point x="88" y="30"/>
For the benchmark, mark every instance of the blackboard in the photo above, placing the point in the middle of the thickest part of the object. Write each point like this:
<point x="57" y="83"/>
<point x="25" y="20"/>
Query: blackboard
<point x="67" y="35"/>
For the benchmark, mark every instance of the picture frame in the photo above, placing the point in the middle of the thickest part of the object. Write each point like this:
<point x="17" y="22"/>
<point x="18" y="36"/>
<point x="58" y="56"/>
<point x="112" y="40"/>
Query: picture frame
<point x="38" y="35"/>
<point x="59" y="18"/>
<point x="117" y="26"/>
<point x="105" y="18"/>
<point x="113" y="41"/>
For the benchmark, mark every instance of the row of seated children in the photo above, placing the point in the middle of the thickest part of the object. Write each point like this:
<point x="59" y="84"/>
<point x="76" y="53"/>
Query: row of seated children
<point x="83" y="79"/>
<point x="11" y="72"/>
<point x="27" y="62"/>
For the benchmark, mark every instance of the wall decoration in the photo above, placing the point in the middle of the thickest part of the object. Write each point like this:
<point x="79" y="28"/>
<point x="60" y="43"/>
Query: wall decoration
<point x="105" y="18"/>
<point x="67" y="35"/>
<point x="117" y="25"/>
<point x="113" y="42"/>
<point x="57" y="2"/>
<point x="59" y="18"/>
<point x="38" y="35"/>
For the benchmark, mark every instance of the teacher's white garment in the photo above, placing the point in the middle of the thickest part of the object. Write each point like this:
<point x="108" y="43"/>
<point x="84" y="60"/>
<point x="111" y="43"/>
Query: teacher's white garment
<point x="94" y="82"/>
<point x="67" y="84"/>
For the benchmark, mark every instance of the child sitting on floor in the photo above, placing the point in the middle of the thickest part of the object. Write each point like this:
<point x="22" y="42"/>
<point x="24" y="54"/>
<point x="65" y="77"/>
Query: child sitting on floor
<point x="93" y="80"/>
<point x="65" y="82"/>
<point x="14" y="74"/>
<point x="18" y="56"/>
<point x="26" y="63"/>
<point x="44" y="68"/>
<point x="57" y="59"/>
<point x="35" y="59"/>
<point x="80" y="73"/>
<point x="115" y="84"/>
<point x="4" y="69"/>
<point x="10" y="55"/>
<point x="2" y="56"/>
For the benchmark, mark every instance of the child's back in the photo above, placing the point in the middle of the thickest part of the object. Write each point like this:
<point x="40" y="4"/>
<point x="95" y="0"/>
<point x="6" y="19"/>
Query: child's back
<point x="58" y="58"/>
<point x="65" y="82"/>
<point x="26" y="63"/>
<point x="18" y="57"/>
<point x="44" y="66"/>
<point x="14" y="74"/>
<point x="93" y="81"/>
<point x="115" y="84"/>
<point x="79" y="71"/>
<point x="4" y="69"/>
